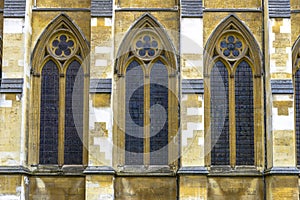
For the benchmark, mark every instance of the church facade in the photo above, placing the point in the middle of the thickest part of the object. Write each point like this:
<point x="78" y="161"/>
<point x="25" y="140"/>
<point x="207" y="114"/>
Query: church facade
<point x="149" y="99"/>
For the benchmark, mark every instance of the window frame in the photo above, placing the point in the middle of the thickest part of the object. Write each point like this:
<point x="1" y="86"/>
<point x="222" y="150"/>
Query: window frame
<point x="296" y="68"/>
<point x="232" y="25"/>
<point x="167" y="56"/>
<point x="40" y="57"/>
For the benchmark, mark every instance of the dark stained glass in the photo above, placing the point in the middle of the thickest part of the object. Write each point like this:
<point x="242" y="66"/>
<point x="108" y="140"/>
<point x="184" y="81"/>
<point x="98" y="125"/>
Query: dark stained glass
<point x="146" y="46"/>
<point x="134" y="115"/>
<point x="49" y="110"/>
<point x="297" y="96"/>
<point x="219" y="115"/>
<point x="159" y="114"/>
<point x="0" y="60"/>
<point x="244" y="115"/>
<point x="73" y="114"/>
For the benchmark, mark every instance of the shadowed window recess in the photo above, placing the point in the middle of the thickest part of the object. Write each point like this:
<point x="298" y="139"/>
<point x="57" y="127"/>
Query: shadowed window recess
<point x="244" y="115"/>
<point x="220" y="154"/>
<point x="136" y="138"/>
<point x="59" y="75"/>
<point x="73" y="114"/>
<point x="49" y="114"/>
<point x="233" y="69"/>
<point x="297" y="108"/>
<point x="146" y="72"/>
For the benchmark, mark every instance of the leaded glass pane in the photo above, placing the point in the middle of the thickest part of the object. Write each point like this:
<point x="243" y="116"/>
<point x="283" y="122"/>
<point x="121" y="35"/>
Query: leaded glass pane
<point x="48" y="152"/>
<point x="244" y="115"/>
<point x="297" y="96"/>
<point x="134" y="115"/>
<point x="159" y="114"/>
<point x="219" y="115"/>
<point x="73" y="114"/>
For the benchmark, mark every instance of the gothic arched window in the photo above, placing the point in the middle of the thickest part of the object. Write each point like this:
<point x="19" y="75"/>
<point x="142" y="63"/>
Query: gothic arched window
<point x="59" y="82"/>
<point x="232" y="69"/>
<point x="146" y="65"/>
<point x="297" y="114"/>
<point x="296" y="73"/>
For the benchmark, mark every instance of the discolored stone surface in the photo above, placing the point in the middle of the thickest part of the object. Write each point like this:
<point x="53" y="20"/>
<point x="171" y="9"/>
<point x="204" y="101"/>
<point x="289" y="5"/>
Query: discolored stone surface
<point x="145" y="188"/>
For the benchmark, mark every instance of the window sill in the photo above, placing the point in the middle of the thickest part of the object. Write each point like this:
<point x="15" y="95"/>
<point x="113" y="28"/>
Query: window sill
<point x="76" y="170"/>
<point x="226" y="170"/>
<point x="142" y="170"/>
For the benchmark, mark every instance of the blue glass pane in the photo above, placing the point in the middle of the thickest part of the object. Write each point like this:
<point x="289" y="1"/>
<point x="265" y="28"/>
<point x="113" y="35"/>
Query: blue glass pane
<point x="236" y="53"/>
<point x="159" y="114"/>
<point x="48" y="151"/>
<point x="244" y="115"/>
<point x="58" y="52"/>
<point x="151" y="52"/>
<point x="70" y="43"/>
<point x="63" y="45"/>
<point x="226" y="52"/>
<point x="142" y="52"/>
<point x="55" y="43"/>
<point x="223" y="44"/>
<point x="238" y="44"/>
<point x="139" y="44"/>
<point x="297" y="101"/>
<point x="63" y="38"/>
<point x="230" y="39"/>
<point x="134" y="114"/>
<point x="219" y="115"/>
<point x="74" y="114"/>
<point x="231" y="46"/>
<point x="146" y="38"/>
<point x="154" y="44"/>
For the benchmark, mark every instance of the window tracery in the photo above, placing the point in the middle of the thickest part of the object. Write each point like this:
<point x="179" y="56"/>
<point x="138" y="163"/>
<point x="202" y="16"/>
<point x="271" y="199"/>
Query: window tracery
<point x="62" y="45"/>
<point x="296" y="75"/>
<point x="146" y="64"/>
<point x="58" y="57"/>
<point x="147" y="45"/>
<point x="230" y="55"/>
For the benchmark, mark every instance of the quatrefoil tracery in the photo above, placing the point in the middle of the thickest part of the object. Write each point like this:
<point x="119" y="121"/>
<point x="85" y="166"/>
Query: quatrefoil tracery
<point x="62" y="45"/>
<point x="146" y="46"/>
<point x="231" y="46"/>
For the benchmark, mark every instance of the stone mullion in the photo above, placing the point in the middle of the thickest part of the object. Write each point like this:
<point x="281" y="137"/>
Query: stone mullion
<point x="85" y="121"/>
<point x="147" y="119"/>
<point x="172" y="121"/>
<point x="232" y="129"/>
<point x="258" y="101"/>
<point x="207" y="129"/>
<point x="35" y="140"/>
<point x="61" y="130"/>
<point x="120" y="124"/>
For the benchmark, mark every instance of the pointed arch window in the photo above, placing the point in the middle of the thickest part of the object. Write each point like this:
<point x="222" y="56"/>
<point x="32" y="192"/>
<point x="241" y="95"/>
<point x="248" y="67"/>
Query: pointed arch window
<point x="146" y="65"/>
<point x="49" y="114"/>
<point x="219" y="112"/>
<point x="233" y="68"/>
<point x="297" y="114"/>
<point x="59" y="85"/>
<point x="0" y="60"/>
<point x="296" y="73"/>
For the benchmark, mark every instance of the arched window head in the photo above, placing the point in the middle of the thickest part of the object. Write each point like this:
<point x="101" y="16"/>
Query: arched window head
<point x="1" y="46"/>
<point x="59" y="70"/>
<point x="145" y="65"/>
<point x="146" y="41"/>
<point x="232" y="66"/>
<point x="296" y="75"/>
<point x="62" y="45"/>
<point x="232" y="46"/>
<point x="147" y="45"/>
<point x="63" y="41"/>
<point x="232" y="42"/>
